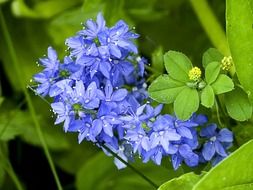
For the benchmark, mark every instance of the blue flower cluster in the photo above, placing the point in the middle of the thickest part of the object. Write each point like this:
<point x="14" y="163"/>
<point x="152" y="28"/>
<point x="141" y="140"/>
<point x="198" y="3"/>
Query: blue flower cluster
<point x="99" y="91"/>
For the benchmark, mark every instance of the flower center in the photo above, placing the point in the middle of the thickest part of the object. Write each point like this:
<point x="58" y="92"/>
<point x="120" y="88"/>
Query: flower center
<point x="213" y="138"/>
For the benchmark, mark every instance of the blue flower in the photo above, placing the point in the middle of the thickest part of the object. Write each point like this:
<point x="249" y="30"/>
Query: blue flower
<point x="217" y="141"/>
<point x="139" y="139"/>
<point x="51" y="62"/>
<point x="64" y="113"/>
<point x="162" y="134"/>
<point x="44" y="80"/>
<point x="185" y="154"/>
<point x="118" y="38"/>
<point x="92" y="29"/>
<point x="111" y="95"/>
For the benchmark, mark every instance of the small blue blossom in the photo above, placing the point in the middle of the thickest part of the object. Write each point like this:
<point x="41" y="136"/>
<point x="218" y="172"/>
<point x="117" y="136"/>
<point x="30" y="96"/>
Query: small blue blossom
<point x="217" y="140"/>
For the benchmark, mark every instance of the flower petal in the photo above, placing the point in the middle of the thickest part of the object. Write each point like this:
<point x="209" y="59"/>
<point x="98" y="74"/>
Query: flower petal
<point x="225" y="135"/>
<point x="119" y="95"/>
<point x="208" y="151"/>
<point x="209" y="131"/>
<point x="220" y="149"/>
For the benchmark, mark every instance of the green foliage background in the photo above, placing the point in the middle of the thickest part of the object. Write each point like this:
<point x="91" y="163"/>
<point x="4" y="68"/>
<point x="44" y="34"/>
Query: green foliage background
<point x="33" y="25"/>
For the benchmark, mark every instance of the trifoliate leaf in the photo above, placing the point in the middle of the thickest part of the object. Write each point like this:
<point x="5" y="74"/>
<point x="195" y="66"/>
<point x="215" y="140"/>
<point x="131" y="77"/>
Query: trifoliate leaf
<point x="222" y="84"/>
<point x="212" y="71"/>
<point x="211" y="55"/>
<point x="165" y="89"/>
<point x="238" y="104"/>
<point x="207" y="97"/>
<point x="177" y="65"/>
<point x="184" y="182"/>
<point x="186" y="103"/>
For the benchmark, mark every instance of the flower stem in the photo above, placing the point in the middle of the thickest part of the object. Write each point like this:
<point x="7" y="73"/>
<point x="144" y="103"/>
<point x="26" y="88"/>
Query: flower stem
<point x="211" y="25"/>
<point x="18" y="70"/>
<point x="9" y="169"/>
<point x="130" y="166"/>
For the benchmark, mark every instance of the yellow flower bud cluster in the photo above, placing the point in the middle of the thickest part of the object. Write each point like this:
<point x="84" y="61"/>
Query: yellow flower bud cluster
<point x="194" y="74"/>
<point x="226" y="63"/>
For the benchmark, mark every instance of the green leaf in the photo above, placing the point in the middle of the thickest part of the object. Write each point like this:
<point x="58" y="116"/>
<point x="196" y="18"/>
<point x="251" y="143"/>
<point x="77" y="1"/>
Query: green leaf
<point x="165" y="89"/>
<point x="177" y="65"/>
<point x="107" y="176"/>
<point x="184" y="182"/>
<point x="239" y="16"/>
<point x="235" y="172"/>
<point x="207" y="96"/>
<point x="10" y="124"/>
<point x="67" y="159"/>
<point x="238" y="104"/>
<point x="55" y="139"/>
<point x="212" y="71"/>
<point x="222" y="84"/>
<point x="186" y="103"/>
<point x="211" y="55"/>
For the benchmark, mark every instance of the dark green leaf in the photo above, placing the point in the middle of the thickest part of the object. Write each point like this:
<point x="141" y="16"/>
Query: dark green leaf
<point x="222" y="84"/>
<point x="239" y="16"/>
<point x="184" y="182"/>
<point x="67" y="159"/>
<point x="211" y="55"/>
<point x="11" y="124"/>
<point x="238" y="104"/>
<point x="207" y="96"/>
<point x="34" y="39"/>
<point x="243" y="133"/>
<point x="107" y="176"/>
<point x="186" y="103"/>
<point x="177" y="65"/>
<point x="54" y="136"/>
<point x="212" y="71"/>
<point x="235" y="172"/>
<point x="165" y="89"/>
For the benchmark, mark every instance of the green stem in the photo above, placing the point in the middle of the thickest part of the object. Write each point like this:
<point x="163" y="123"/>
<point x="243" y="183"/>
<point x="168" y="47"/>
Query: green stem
<point x="211" y="25"/>
<point x="9" y="169"/>
<point x="18" y="70"/>
<point x="218" y="113"/>
<point x="130" y="166"/>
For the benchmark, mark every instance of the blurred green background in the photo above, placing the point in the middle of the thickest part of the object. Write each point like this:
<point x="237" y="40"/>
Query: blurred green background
<point x="33" y="25"/>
